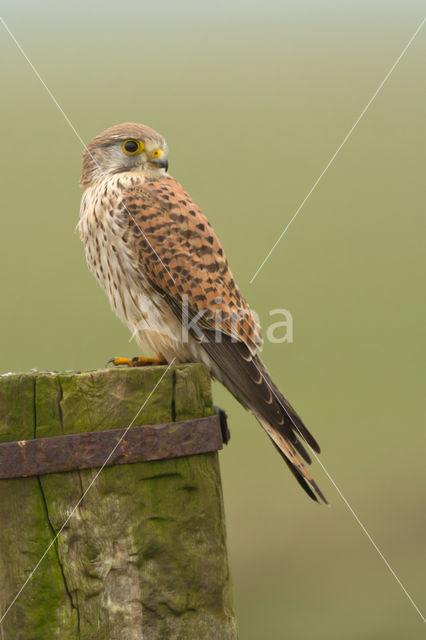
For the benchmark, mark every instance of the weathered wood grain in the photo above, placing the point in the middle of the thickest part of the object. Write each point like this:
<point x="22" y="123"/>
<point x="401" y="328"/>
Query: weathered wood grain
<point x="144" y="554"/>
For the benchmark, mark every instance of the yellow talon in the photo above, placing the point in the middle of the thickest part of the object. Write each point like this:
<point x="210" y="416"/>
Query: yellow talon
<point x="118" y="361"/>
<point x="137" y="361"/>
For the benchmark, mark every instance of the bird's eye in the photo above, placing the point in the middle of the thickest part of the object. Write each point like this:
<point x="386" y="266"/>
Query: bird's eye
<point x="132" y="147"/>
<point x="157" y="153"/>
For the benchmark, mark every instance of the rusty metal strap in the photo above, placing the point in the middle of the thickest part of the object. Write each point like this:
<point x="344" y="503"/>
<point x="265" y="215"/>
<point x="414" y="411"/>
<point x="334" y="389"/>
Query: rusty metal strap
<point x="92" y="449"/>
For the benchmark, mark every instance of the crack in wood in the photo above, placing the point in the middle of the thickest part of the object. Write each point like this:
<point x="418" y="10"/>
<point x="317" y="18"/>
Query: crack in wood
<point x="139" y="558"/>
<point x="49" y="521"/>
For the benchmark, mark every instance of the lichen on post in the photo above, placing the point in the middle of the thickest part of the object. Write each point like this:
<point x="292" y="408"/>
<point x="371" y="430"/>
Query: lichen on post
<point x="144" y="555"/>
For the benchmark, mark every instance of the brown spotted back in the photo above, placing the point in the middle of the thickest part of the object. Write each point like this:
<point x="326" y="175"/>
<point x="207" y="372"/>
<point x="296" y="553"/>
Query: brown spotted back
<point x="180" y="254"/>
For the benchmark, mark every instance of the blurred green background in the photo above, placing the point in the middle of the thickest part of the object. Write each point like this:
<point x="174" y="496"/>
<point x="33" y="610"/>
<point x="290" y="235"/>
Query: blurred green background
<point x="254" y="98"/>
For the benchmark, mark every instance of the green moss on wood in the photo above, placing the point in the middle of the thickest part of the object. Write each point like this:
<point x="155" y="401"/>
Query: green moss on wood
<point x="144" y="554"/>
<point x="25" y="533"/>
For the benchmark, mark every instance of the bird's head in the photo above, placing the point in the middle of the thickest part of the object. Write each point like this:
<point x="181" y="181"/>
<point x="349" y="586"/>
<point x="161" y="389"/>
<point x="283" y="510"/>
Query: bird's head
<point x="125" y="147"/>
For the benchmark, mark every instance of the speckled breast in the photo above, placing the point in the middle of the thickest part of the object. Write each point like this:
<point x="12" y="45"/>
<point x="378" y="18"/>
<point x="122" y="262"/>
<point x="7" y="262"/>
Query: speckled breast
<point x="106" y="233"/>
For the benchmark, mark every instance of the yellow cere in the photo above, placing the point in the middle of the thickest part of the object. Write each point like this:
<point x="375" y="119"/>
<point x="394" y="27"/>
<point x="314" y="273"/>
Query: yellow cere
<point x="157" y="153"/>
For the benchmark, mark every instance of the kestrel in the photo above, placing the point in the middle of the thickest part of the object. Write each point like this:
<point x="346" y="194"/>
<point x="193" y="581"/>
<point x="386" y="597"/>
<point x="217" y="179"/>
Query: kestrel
<point x="167" y="278"/>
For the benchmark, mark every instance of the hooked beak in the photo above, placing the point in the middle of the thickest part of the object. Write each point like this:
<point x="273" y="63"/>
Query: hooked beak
<point x="162" y="163"/>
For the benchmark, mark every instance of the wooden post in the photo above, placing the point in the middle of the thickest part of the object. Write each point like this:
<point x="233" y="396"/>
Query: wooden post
<point x="144" y="555"/>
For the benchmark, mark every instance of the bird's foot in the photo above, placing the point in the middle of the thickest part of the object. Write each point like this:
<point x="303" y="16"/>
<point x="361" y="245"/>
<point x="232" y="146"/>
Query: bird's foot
<point x="137" y="361"/>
